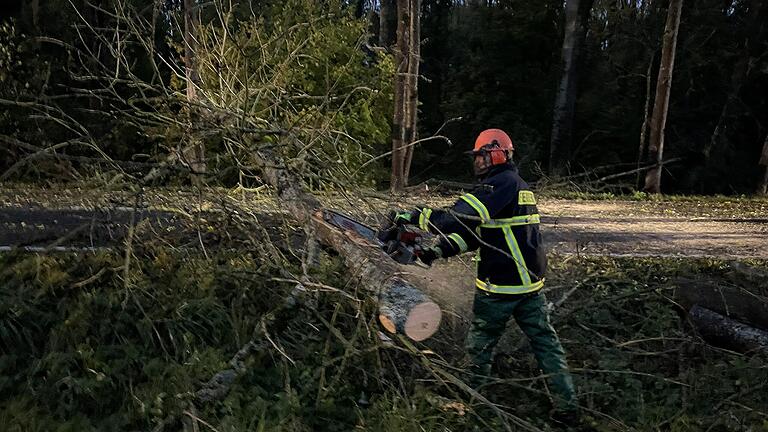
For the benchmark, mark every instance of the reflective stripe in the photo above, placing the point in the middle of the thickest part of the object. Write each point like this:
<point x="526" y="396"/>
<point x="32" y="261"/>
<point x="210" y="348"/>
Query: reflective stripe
<point x="459" y="241"/>
<point x="478" y="206"/>
<point x="519" y="261"/>
<point x="509" y="289"/>
<point x="513" y="221"/>
<point x="424" y="219"/>
<point x="526" y="197"/>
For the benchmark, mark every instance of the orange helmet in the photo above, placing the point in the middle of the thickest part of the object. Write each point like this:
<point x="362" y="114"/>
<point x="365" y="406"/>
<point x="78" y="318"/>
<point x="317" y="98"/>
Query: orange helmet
<point x="495" y="142"/>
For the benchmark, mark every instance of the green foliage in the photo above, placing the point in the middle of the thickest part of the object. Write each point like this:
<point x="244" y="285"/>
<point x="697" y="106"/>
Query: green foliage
<point x="82" y="348"/>
<point x="638" y="360"/>
<point x="121" y="355"/>
<point x="301" y="67"/>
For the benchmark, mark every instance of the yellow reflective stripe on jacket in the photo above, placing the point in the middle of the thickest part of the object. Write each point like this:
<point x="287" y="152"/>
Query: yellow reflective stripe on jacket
<point x="513" y="221"/>
<point x="509" y="289"/>
<point x="478" y="206"/>
<point x="459" y="241"/>
<point x="526" y="197"/>
<point x="424" y="219"/>
<point x="519" y="261"/>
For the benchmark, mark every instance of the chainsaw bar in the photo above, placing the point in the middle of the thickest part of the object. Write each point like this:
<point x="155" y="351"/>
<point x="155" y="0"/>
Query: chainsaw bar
<point x="346" y="223"/>
<point x="401" y="248"/>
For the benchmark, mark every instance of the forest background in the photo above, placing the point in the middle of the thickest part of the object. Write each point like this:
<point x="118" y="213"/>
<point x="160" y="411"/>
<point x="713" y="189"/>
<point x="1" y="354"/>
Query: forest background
<point x="81" y="83"/>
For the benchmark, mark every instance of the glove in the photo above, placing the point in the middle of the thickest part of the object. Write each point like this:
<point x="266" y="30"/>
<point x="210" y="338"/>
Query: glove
<point x="397" y="217"/>
<point x="429" y="255"/>
<point x="389" y="228"/>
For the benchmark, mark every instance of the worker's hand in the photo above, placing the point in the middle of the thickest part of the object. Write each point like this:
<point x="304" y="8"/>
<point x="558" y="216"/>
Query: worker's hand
<point x="391" y="227"/>
<point x="429" y="255"/>
<point x="399" y="217"/>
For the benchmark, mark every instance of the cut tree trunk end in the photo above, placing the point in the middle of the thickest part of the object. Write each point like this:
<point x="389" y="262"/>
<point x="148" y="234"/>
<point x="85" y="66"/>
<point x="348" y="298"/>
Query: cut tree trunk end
<point x="407" y="311"/>
<point x="725" y="332"/>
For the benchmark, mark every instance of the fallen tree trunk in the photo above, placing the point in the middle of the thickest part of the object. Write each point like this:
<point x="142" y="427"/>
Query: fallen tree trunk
<point x="403" y="307"/>
<point x="726" y="332"/>
<point x="728" y="301"/>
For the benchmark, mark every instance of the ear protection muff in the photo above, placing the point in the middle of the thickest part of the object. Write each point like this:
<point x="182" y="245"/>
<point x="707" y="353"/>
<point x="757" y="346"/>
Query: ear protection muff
<point x="498" y="155"/>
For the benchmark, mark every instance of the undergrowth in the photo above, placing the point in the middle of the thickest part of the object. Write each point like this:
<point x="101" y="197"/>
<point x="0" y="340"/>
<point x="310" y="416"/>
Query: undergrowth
<point x="86" y="345"/>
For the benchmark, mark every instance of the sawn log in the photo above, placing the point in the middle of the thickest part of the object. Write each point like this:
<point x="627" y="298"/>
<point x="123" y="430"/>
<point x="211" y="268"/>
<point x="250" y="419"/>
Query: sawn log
<point x="403" y="307"/>
<point x="726" y="332"/>
<point x="728" y="301"/>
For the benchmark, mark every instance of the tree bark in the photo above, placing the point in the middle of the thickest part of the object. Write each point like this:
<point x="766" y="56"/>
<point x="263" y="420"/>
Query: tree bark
<point x="576" y="19"/>
<point x="411" y="311"/>
<point x="661" y="103"/>
<point x="412" y="89"/>
<point x="194" y="153"/>
<point x="35" y="6"/>
<point x="646" y="120"/>
<point x="762" y="188"/>
<point x="399" y="121"/>
<point x="725" y="332"/>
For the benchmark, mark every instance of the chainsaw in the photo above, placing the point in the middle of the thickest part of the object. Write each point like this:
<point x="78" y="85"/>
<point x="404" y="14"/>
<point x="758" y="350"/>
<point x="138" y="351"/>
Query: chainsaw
<point x="398" y="241"/>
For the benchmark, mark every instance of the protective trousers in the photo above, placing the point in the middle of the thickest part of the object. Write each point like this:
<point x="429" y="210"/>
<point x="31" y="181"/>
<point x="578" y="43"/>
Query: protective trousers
<point x="491" y="315"/>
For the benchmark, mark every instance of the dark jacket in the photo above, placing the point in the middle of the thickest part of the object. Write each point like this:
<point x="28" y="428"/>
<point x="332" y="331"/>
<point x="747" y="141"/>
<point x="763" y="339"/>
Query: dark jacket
<point x="501" y="219"/>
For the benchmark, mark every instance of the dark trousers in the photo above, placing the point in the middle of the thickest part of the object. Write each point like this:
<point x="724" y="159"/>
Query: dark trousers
<point x="491" y="315"/>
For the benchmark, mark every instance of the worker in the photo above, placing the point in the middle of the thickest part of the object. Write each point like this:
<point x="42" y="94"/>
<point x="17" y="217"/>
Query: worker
<point x="500" y="219"/>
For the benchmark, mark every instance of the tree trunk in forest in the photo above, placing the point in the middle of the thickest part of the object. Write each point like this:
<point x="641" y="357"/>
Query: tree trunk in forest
<point x="194" y="153"/>
<point x="762" y="188"/>
<point x="398" y="120"/>
<point x="412" y="105"/>
<point x="406" y="91"/>
<point x="725" y="332"/>
<point x="646" y="121"/>
<point x="576" y="20"/>
<point x="751" y="47"/>
<point x="738" y="77"/>
<point x="35" y="6"/>
<point x="403" y="307"/>
<point x="386" y="7"/>
<point x="661" y="103"/>
<point x="360" y="8"/>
